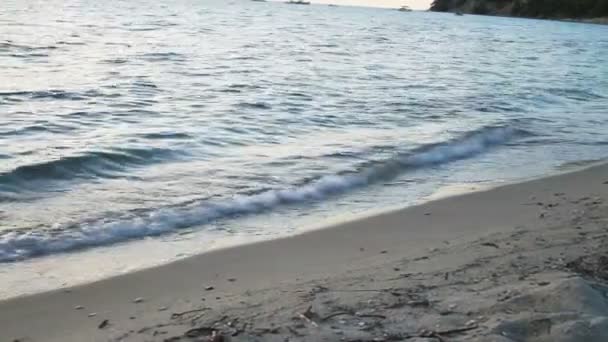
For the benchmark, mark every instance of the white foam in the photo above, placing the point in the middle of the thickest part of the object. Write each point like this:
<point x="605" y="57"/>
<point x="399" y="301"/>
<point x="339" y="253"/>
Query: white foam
<point x="19" y="245"/>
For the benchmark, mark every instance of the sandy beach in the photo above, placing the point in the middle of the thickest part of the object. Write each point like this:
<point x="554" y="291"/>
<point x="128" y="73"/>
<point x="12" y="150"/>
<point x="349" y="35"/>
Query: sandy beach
<point x="521" y="262"/>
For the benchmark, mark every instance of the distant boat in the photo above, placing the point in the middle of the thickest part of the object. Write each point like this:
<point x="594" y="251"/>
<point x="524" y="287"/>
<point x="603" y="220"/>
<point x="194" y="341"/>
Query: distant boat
<point x="298" y="2"/>
<point x="405" y="9"/>
<point x="458" y="13"/>
<point x="258" y="0"/>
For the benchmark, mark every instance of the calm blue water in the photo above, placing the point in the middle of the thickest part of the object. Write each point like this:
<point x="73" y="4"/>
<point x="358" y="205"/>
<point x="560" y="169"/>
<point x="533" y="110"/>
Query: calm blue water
<point x="133" y="119"/>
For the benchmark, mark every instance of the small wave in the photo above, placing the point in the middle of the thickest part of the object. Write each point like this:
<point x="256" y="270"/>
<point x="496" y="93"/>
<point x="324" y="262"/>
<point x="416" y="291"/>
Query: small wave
<point x="18" y="245"/>
<point x="325" y="45"/>
<point x="243" y="58"/>
<point x="575" y="93"/>
<point x="15" y="50"/>
<point x="244" y="86"/>
<point x="142" y="86"/>
<point x="11" y="46"/>
<point x="89" y="165"/>
<point x="115" y="61"/>
<point x="300" y="96"/>
<point x="51" y="128"/>
<point x="194" y="74"/>
<point x="230" y="90"/>
<point x="162" y="56"/>
<point x="28" y="55"/>
<point x="255" y="105"/>
<point x="167" y="135"/>
<point x="117" y="44"/>
<point x="61" y="42"/>
<point x="337" y="53"/>
<point x="343" y="155"/>
<point x="56" y="94"/>
<point x="144" y="29"/>
<point x="161" y="23"/>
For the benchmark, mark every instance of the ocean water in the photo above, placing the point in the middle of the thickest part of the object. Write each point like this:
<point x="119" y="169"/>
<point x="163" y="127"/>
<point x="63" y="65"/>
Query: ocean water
<point x="177" y="124"/>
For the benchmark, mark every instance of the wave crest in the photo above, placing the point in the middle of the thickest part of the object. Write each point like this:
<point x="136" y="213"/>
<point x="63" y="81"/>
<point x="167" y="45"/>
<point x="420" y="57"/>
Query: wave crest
<point x="99" y="164"/>
<point x="19" y="245"/>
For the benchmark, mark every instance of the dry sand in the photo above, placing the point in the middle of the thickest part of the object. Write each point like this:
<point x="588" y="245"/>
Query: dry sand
<point x="522" y="262"/>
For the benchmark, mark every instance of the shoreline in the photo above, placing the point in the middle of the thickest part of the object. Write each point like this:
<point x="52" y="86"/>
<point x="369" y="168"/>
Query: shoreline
<point x="126" y="250"/>
<point x="228" y="278"/>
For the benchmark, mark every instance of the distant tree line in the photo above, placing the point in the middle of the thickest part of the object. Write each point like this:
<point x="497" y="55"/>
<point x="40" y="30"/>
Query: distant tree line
<point x="529" y="8"/>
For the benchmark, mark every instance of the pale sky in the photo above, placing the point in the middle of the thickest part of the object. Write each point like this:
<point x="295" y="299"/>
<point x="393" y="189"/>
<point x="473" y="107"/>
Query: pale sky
<point x="414" y="4"/>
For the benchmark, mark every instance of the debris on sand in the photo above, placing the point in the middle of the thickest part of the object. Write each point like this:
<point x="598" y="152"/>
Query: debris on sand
<point x="103" y="324"/>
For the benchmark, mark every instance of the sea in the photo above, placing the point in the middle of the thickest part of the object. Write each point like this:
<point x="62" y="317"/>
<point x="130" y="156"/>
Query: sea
<point x="134" y="133"/>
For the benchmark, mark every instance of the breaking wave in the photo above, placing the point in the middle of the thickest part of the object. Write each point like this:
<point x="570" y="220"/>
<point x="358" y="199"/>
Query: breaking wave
<point x="18" y="245"/>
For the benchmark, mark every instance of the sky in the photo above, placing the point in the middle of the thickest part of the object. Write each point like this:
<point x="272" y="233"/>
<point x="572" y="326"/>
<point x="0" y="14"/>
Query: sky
<point x="414" y="4"/>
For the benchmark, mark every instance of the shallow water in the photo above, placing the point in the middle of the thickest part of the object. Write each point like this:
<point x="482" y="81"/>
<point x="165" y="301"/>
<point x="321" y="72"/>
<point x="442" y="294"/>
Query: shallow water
<point x="129" y="120"/>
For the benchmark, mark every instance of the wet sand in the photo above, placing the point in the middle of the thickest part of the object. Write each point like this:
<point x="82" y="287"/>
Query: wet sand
<point x="521" y="262"/>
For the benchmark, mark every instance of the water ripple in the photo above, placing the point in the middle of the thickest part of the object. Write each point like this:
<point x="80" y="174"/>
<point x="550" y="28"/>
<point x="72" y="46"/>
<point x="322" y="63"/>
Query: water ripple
<point x="204" y="111"/>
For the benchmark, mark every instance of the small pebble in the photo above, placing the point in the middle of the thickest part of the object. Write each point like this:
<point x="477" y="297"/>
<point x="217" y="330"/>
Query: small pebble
<point x="543" y="283"/>
<point x="92" y="314"/>
<point x="163" y="308"/>
<point x="209" y="288"/>
<point x="383" y="252"/>
<point x="79" y="307"/>
<point x="232" y="280"/>
<point x="138" y="300"/>
<point x="361" y="324"/>
<point x="470" y="323"/>
<point x="103" y="324"/>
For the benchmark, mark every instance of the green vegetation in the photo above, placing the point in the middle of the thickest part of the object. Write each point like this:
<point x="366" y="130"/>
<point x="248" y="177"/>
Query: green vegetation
<point x="527" y="8"/>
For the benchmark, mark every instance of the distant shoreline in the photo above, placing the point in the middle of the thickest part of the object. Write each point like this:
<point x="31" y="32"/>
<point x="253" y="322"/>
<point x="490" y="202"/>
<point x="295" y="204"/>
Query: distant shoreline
<point x="596" y="21"/>
<point x="592" y="12"/>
